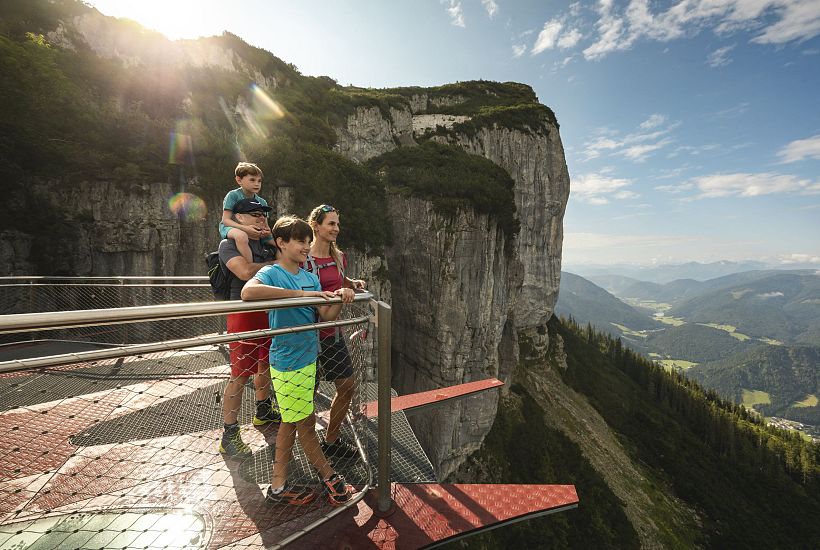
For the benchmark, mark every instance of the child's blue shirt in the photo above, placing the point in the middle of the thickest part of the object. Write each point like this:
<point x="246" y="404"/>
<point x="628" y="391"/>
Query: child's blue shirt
<point x="294" y="351"/>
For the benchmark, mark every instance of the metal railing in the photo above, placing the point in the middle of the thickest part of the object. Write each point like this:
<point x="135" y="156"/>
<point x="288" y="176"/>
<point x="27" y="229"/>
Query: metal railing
<point x="190" y="354"/>
<point x="32" y="294"/>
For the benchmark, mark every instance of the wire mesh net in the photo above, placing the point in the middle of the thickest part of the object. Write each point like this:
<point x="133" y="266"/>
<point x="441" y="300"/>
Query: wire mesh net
<point x="179" y="448"/>
<point x="36" y="295"/>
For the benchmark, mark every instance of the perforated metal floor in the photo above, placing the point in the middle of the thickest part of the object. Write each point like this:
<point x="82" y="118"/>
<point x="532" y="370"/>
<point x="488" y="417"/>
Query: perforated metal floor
<point x="149" y="442"/>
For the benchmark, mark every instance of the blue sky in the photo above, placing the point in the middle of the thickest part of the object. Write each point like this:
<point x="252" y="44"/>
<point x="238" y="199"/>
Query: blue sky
<point x="691" y="128"/>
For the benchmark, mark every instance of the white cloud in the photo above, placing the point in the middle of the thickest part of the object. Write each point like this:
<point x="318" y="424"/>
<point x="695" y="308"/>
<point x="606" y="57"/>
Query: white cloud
<point x="456" y="13"/>
<point x="811" y="51"/>
<point x="734" y="112"/>
<point x="774" y="21"/>
<point x="491" y="6"/>
<point x="675" y="189"/>
<point x="576" y="241"/>
<point x="800" y="149"/>
<point x="558" y="65"/>
<point x="800" y="20"/>
<point x="696" y="149"/>
<point x="720" y="57"/>
<point x="653" y="121"/>
<point x="599" y="188"/>
<point x="610" y="30"/>
<point x="593" y="149"/>
<point x="636" y="146"/>
<point x="799" y="259"/>
<point x="640" y="153"/>
<point x="547" y="37"/>
<point x="519" y="49"/>
<point x="752" y="185"/>
<point x="570" y="39"/>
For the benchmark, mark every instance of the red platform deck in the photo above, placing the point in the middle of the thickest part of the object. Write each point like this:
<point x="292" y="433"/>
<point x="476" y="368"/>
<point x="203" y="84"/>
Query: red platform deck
<point x="429" y="514"/>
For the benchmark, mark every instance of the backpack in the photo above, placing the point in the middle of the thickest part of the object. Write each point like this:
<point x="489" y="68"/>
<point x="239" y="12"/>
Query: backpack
<point x="219" y="275"/>
<point x="313" y="267"/>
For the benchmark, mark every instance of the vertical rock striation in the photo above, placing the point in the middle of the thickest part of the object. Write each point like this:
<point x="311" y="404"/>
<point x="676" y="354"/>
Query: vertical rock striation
<point x="461" y="292"/>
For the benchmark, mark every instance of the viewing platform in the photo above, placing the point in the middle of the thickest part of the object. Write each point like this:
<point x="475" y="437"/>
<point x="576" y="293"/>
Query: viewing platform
<point x="111" y="404"/>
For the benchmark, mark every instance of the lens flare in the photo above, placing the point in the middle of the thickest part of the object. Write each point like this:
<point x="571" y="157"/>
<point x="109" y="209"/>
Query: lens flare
<point x="180" y="149"/>
<point x="264" y="106"/>
<point x="256" y="115"/>
<point x="187" y="207"/>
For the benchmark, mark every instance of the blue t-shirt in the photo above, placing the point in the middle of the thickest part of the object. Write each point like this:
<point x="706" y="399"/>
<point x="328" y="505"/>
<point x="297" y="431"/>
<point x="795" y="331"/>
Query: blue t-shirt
<point x="230" y="201"/>
<point x="290" y="352"/>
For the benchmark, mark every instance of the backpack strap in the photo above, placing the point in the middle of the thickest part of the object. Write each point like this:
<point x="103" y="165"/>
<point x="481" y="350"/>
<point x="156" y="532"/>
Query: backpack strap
<point x="314" y="267"/>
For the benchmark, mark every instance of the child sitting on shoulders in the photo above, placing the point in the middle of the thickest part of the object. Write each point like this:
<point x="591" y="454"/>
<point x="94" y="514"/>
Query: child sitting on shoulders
<point x="249" y="178"/>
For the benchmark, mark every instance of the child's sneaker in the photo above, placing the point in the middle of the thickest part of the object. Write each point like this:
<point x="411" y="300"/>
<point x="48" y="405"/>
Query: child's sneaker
<point x="232" y="445"/>
<point x="337" y="490"/>
<point x="271" y="416"/>
<point x="339" y="449"/>
<point x="294" y="495"/>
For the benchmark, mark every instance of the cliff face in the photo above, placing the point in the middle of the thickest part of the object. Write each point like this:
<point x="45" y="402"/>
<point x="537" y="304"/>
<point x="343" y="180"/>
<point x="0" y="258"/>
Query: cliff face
<point x="453" y="282"/>
<point x="106" y="228"/>
<point x="462" y="293"/>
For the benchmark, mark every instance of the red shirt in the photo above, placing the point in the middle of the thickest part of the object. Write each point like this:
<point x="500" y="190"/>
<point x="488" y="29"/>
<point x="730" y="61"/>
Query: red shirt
<point x="331" y="279"/>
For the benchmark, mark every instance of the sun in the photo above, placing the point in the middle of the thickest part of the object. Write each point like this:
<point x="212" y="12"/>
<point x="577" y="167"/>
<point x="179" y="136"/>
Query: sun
<point x="175" y="19"/>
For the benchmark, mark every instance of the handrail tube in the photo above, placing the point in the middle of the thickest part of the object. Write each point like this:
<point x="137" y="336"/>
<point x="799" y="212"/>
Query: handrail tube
<point x="112" y="278"/>
<point x="384" y="500"/>
<point x="105" y="285"/>
<point x="168" y="345"/>
<point x="24" y="322"/>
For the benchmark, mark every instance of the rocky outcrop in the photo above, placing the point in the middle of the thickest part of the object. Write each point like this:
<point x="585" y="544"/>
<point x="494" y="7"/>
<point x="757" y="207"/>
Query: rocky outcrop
<point x="422" y="123"/>
<point x="457" y="315"/>
<point x="104" y="228"/>
<point x="368" y="134"/>
<point x="453" y="282"/>
<point x="535" y="161"/>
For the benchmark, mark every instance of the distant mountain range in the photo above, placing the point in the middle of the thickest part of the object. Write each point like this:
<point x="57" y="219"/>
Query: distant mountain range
<point x="742" y="331"/>
<point x="667" y="273"/>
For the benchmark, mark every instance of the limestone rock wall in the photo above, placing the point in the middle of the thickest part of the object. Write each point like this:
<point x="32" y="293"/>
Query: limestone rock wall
<point x="452" y="282"/>
<point x="535" y="161"/>
<point x="368" y="134"/>
<point x="462" y="294"/>
<point x="107" y="228"/>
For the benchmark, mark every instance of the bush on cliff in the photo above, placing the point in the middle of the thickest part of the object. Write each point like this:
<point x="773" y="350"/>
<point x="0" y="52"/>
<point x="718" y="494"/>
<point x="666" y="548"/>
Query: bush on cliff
<point x="450" y="178"/>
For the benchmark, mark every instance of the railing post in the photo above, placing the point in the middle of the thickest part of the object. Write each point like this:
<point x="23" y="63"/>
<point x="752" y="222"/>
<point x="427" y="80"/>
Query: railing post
<point x="384" y="500"/>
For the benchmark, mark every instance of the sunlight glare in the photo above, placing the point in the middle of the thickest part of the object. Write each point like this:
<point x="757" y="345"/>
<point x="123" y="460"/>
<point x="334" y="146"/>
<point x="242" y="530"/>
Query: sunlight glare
<point x="176" y="20"/>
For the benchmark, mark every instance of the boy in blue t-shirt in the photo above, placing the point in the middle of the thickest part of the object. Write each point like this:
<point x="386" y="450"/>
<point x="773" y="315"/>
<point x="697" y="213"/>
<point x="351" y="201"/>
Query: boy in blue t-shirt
<point x="293" y="360"/>
<point x="249" y="178"/>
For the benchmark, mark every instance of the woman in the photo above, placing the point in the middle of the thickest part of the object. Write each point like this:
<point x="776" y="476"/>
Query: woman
<point x="328" y="263"/>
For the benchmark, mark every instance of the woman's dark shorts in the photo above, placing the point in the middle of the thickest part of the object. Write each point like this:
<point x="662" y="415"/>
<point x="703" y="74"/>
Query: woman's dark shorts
<point x="334" y="359"/>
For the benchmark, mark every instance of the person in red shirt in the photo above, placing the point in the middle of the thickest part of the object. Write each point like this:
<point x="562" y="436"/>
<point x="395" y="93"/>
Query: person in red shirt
<point x="328" y="262"/>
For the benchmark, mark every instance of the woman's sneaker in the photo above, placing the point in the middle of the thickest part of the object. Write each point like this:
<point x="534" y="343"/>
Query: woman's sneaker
<point x="337" y="490"/>
<point x="294" y="495"/>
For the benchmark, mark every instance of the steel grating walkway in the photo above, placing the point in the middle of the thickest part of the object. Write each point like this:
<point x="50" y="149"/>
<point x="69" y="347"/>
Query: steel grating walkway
<point x="103" y="456"/>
